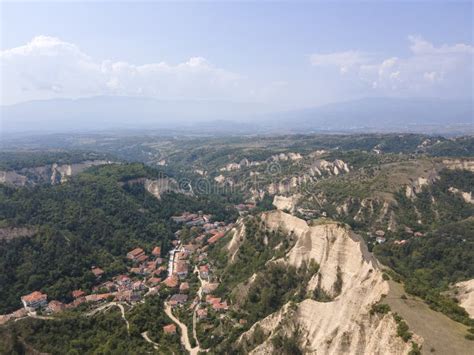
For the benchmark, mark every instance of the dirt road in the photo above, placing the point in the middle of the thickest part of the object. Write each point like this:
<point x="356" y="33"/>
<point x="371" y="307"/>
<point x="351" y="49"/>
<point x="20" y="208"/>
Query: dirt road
<point x="184" y="332"/>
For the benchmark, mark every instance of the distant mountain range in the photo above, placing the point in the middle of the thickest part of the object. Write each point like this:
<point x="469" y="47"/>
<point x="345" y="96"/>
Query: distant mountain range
<point x="102" y="113"/>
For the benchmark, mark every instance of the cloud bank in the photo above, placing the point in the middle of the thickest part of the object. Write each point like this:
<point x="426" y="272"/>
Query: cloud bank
<point x="48" y="67"/>
<point x="444" y="71"/>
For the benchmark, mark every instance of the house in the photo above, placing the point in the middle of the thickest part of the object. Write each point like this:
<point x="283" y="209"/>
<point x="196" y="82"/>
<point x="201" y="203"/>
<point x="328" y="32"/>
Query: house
<point x="34" y="300"/>
<point x="380" y="240"/>
<point x="400" y="242"/>
<point x="182" y="255"/>
<point x="379" y="233"/>
<point x="216" y="303"/>
<point x="123" y="280"/>
<point x="78" y="293"/>
<point x="76" y="302"/>
<point x="142" y="258"/>
<point x="179" y="219"/>
<point x="195" y="222"/>
<point x="181" y="269"/>
<point x="149" y="268"/>
<point x="159" y="261"/>
<point x="419" y="234"/>
<point x="178" y="299"/>
<point x="220" y="306"/>
<point x="135" y="254"/>
<point x="201" y="313"/>
<point x="202" y="257"/>
<point x="215" y="238"/>
<point x="153" y="281"/>
<point x="171" y="282"/>
<point x="184" y="287"/>
<point x="136" y="270"/>
<point x="97" y="271"/>
<point x="160" y="270"/>
<point x="138" y="286"/>
<point x="98" y="297"/>
<point x="204" y="271"/>
<point x="55" y="306"/>
<point x="169" y="329"/>
<point x="156" y="251"/>
<point x="209" y="287"/>
<point x="200" y="239"/>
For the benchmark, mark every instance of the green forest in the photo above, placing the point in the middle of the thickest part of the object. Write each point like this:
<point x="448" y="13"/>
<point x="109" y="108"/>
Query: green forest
<point x="91" y="221"/>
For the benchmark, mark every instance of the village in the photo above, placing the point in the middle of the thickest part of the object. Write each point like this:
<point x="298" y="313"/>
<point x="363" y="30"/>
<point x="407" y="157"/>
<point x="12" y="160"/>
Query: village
<point x="184" y="273"/>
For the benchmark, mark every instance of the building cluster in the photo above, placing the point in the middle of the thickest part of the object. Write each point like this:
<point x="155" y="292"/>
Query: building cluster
<point x="148" y="273"/>
<point x="244" y="208"/>
<point x="193" y="256"/>
<point x="192" y="219"/>
<point x="380" y="236"/>
<point x="145" y="275"/>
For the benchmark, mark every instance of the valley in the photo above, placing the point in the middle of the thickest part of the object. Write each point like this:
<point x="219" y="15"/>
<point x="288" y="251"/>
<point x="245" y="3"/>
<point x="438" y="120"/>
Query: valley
<point x="286" y="244"/>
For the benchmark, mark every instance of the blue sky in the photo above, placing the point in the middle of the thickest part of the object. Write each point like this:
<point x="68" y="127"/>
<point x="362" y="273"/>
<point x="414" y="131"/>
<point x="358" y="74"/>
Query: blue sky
<point x="284" y="55"/>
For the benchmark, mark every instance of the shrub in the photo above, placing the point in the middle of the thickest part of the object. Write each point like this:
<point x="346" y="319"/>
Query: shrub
<point x="381" y="308"/>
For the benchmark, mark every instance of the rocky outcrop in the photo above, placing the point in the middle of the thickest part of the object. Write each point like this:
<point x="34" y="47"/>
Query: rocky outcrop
<point x="467" y="196"/>
<point x="160" y="186"/>
<point x="459" y="164"/>
<point x="351" y="275"/>
<point x="53" y="174"/>
<point x="9" y="233"/>
<point x="465" y="296"/>
<point x="12" y="178"/>
<point x="238" y="237"/>
<point x="286" y="203"/>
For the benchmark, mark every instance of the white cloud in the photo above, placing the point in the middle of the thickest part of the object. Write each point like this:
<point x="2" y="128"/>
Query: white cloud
<point x="48" y="67"/>
<point x="420" y="46"/>
<point x="343" y="60"/>
<point x="429" y="70"/>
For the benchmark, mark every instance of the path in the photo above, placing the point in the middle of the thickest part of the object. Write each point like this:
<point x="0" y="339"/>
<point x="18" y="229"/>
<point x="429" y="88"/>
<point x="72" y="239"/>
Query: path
<point x="184" y="332"/>
<point x="108" y="305"/>
<point x="155" y="345"/>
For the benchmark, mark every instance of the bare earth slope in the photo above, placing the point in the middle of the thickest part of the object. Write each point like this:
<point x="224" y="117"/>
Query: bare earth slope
<point x="343" y="325"/>
<point x="466" y="296"/>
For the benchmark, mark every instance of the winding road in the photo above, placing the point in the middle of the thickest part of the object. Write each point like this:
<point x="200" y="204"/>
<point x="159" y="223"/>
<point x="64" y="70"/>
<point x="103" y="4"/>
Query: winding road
<point x="184" y="332"/>
<point x="147" y="338"/>
<point x="111" y="304"/>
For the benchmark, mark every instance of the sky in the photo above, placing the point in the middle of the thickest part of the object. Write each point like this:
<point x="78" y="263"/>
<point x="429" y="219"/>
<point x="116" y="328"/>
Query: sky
<point x="283" y="55"/>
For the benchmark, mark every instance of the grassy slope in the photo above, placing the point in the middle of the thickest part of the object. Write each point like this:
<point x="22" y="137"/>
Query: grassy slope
<point x="439" y="332"/>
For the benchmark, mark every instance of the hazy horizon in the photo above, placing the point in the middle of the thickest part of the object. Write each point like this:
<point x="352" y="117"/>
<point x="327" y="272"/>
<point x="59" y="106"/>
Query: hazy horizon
<point x="234" y="61"/>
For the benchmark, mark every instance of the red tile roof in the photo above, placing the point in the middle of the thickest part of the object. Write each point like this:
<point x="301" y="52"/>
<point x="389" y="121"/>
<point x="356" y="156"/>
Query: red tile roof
<point x="156" y="251"/>
<point x="34" y="297"/>
<point x="154" y="280"/>
<point x="78" y="293"/>
<point x="56" y="306"/>
<point x="97" y="271"/>
<point x="184" y="286"/>
<point x="215" y="238"/>
<point x="136" y="251"/>
<point x="169" y="329"/>
<point x="171" y="282"/>
<point x="142" y="258"/>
